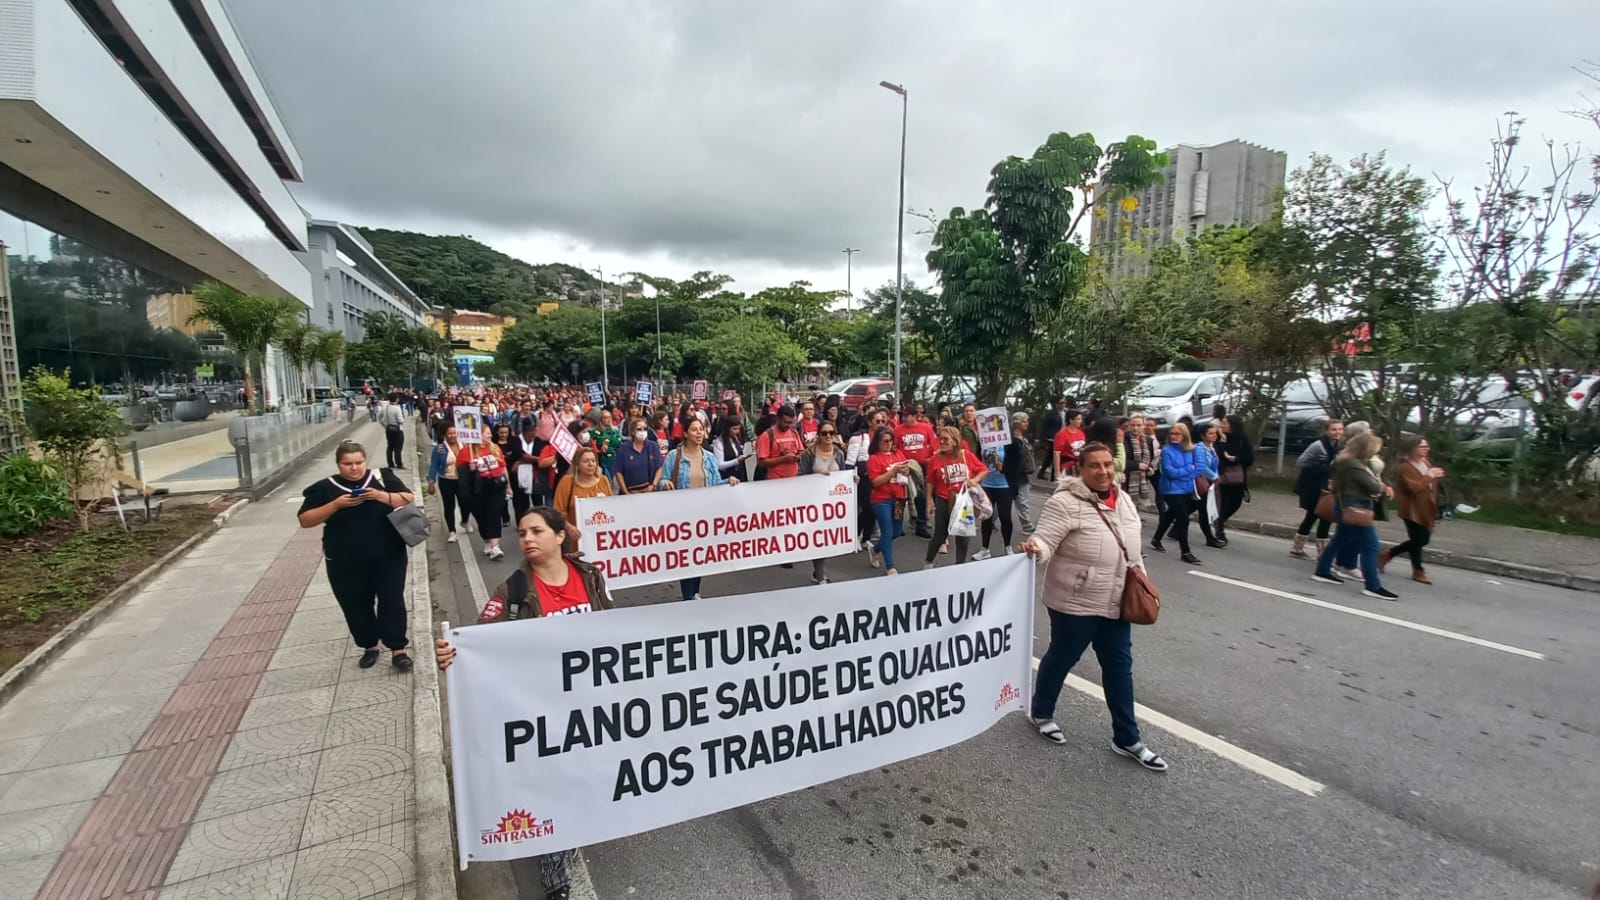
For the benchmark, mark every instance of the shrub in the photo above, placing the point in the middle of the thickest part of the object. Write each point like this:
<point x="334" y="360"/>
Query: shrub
<point x="32" y="493"/>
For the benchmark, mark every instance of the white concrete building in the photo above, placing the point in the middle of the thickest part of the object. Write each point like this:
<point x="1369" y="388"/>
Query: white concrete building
<point x="348" y="281"/>
<point x="141" y="128"/>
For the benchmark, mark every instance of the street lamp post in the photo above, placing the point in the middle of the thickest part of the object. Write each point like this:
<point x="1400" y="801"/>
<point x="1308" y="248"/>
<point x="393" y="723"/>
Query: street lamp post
<point x="849" y="292"/>
<point x="605" y="363"/>
<point x="900" y="237"/>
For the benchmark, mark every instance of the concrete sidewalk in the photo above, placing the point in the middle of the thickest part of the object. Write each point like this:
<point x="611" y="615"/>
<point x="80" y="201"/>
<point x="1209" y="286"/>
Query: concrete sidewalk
<point x="1563" y="560"/>
<point x="213" y="737"/>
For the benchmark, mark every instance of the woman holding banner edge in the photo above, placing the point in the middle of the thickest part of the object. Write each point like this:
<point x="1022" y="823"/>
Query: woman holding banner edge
<point x="552" y="581"/>
<point x="1083" y="529"/>
<point x="690" y="466"/>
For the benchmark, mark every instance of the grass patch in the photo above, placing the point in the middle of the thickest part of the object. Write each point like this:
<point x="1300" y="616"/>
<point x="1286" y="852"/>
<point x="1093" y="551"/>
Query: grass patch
<point x="1493" y="513"/>
<point x="48" y="578"/>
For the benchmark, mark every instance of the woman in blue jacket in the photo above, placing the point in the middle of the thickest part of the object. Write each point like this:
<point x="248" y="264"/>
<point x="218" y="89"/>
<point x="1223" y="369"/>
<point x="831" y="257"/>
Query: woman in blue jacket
<point x="1180" y="463"/>
<point x="691" y="465"/>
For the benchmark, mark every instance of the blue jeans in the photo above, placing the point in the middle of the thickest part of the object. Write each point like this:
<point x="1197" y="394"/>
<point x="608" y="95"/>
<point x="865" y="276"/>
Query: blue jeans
<point x="689" y="587"/>
<point x="1113" y="646"/>
<point x="1353" y="540"/>
<point x="889" y="528"/>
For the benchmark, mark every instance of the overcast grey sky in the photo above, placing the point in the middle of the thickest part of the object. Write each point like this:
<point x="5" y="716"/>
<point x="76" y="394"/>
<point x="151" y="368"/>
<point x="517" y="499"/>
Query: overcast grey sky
<point x="751" y="138"/>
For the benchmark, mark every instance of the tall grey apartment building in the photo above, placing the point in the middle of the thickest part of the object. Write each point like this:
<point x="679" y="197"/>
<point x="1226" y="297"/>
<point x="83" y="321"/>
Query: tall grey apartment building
<point x="1233" y="183"/>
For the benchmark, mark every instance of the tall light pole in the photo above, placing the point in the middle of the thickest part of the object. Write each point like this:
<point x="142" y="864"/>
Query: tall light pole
<point x="849" y="292"/>
<point x="900" y="237"/>
<point x="605" y="363"/>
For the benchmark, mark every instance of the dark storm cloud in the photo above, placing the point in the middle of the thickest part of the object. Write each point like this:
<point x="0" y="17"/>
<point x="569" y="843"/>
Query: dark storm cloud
<point x="756" y="131"/>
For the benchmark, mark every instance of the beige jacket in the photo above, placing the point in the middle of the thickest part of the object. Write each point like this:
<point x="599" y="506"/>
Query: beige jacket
<point x="1084" y="567"/>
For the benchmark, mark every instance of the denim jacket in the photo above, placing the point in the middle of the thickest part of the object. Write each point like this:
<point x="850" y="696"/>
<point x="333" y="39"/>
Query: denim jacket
<point x="676" y="469"/>
<point x="437" y="461"/>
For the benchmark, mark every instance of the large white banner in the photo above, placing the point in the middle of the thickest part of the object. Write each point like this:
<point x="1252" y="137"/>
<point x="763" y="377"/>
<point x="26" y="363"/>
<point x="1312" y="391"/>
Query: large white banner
<point x="666" y="535"/>
<point x="571" y="730"/>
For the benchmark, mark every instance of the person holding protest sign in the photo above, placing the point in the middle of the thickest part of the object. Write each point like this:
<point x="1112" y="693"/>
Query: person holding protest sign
<point x="999" y="490"/>
<point x="823" y="457"/>
<point x="889" y="472"/>
<point x="552" y="581"/>
<point x="491" y="489"/>
<point x="365" y="556"/>
<point x="1083" y="530"/>
<point x="585" y="480"/>
<point x="690" y="466"/>
<point x="445" y="477"/>
<point x="953" y="468"/>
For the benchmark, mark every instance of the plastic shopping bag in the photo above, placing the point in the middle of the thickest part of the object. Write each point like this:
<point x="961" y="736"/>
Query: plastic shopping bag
<point x="963" y="517"/>
<point x="981" y="504"/>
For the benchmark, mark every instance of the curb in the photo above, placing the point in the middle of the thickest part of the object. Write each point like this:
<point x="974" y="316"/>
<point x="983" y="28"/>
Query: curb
<point x="18" y="675"/>
<point x="434" y="838"/>
<point x="1447" y="559"/>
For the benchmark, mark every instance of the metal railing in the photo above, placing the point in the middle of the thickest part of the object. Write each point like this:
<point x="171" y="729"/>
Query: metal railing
<point x="265" y="444"/>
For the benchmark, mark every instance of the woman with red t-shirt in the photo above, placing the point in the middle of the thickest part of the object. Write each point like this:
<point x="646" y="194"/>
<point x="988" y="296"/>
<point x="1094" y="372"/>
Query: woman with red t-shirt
<point x="951" y="469"/>
<point x="552" y="581"/>
<point x="1069" y="440"/>
<point x="889" y="471"/>
<point x="492" y="488"/>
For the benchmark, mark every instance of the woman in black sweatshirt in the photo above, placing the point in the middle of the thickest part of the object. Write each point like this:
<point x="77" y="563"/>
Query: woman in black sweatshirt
<point x="1238" y="455"/>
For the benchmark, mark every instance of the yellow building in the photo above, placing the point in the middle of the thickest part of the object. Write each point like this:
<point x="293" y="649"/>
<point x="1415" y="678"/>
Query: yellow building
<point x="480" y="330"/>
<point x="172" y="311"/>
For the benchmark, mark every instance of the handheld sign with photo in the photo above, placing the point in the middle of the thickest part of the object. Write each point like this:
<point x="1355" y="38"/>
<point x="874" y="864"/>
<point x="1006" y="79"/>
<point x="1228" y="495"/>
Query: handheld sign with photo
<point x="469" y="424"/>
<point x="597" y="393"/>
<point x="565" y="443"/>
<point x="643" y="391"/>
<point x="572" y="730"/>
<point x="729" y="394"/>
<point x="700" y="389"/>
<point x="994" y="427"/>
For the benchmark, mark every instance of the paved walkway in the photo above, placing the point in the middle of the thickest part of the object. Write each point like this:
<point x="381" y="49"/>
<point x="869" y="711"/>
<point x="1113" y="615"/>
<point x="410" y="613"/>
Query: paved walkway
<point x="213" y="737"/>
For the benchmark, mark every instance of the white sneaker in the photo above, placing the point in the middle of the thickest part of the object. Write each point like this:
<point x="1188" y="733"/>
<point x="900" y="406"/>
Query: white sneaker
<point x="695" y="597"/>
<point x="497" y="553"/>
<point x="451" y="539"/>
<point x="822" y="580"/>
<point x="927" y="566"/>
<point x="891" y="572"/>
<point x="1348" y="573"/>
<point x="487" y="549"/>
<point x="981" y="554"/>
<point x="874" y="558"/>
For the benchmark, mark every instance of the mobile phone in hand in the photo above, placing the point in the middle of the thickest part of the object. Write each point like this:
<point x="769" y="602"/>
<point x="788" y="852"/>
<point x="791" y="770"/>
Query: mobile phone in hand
<point x="358" y="492"/>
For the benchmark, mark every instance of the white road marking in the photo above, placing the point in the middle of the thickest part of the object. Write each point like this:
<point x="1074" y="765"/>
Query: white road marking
<point x="582" y="886"/>
<point x="1239" y="756"/>
<point x="292" y="499"/>
<point x="480" y="594"/>
<point x="1388" y="620"/>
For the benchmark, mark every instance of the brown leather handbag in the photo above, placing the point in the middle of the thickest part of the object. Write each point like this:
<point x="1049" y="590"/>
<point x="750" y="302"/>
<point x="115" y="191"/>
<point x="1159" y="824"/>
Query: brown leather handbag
<point x="1141" y="602"/>
<point x="1331" y="510"/>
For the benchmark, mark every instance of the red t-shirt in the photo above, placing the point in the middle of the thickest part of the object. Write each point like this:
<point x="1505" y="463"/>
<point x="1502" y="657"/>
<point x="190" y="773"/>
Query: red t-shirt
<point x="808" y="429"/>
<point x="1068" y="442"/>
<point x="877" y="464"/>
<point x="549" y="475"/>
<point x="488" y="465"/>
<point x="1111" y="501"/>
<point x="946" y="474"/>
<point x="774" y="443"/>
<point x="569" y="598"/>
<point x="917" y="442"/>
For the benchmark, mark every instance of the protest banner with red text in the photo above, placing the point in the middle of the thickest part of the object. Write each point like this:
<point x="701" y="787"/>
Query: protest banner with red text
<point x="640" y="539"/>
<point x="572" y="730"/>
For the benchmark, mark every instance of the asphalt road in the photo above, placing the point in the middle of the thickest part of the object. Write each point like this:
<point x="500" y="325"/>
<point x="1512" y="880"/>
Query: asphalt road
<point x="1415" y="763"/>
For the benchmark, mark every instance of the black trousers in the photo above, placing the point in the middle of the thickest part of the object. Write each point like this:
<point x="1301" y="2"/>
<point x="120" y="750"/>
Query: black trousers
<point x="1175" y="519"/>
<point x="1228" y="502"/>
<point x="372" y="594"/>
<point x="1417" y="537"/>
<point x="490" y="507"/>
<point x="941" y="533"/>
<point x="1323" y="525"/>
<point x="1202" y="519"/>
<point x="396" y="437"/>
<point x="448" y="492"/>
<point x="1001" y="498"/>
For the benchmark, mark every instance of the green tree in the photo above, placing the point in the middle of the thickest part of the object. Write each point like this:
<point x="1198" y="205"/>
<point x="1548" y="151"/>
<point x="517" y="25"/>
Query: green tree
<point x="76" y="430"/>
<point x="248" y="322"/>
<point x="298" y="343"/>
<point x="547" y="346"/>
<point x="1006" y="270"/>
<point x="750" y="351"/>
<point x="329" y="351"/>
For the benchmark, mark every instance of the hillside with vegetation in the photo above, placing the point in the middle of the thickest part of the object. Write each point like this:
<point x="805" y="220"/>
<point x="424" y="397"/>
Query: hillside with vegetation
<point x="459" y="272"/>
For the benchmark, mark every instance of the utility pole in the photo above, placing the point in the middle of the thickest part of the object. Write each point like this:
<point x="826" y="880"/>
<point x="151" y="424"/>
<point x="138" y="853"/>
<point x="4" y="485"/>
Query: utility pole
<point x="900" y="237"/>
<point x="605" y="364"/>
<point x="849" y="292"/>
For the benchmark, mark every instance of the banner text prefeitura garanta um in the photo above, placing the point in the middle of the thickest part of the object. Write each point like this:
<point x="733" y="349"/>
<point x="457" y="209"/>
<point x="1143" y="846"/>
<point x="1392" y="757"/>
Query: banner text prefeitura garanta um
<point x="572" y="730"/>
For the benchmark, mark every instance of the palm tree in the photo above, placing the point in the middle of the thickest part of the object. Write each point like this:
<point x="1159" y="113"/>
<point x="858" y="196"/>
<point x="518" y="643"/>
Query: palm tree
<point x="248" y="322"/>
<point x="329" y="351"/>
<point x="298" y="343"/>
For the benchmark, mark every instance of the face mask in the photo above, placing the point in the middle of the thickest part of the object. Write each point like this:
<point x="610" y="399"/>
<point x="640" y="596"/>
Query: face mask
<point x="583" y="437"/>
<point x="640" y="435"/>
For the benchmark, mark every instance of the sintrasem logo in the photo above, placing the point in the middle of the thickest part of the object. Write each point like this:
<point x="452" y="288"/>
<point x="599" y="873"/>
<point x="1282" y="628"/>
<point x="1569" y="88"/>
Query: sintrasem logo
<point x="517" y="826"/>
<point x="600" y="518"/>
<point x="839" y="490"/>
<point x="1008" y="694"/>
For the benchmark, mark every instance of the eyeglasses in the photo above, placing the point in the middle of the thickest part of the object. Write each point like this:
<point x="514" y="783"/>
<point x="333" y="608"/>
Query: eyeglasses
<point x="826" y="433"/>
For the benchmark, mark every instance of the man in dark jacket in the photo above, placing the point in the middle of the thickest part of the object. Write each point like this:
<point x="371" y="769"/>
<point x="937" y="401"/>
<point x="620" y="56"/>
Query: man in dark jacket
<point x="1017" y="466"/>
<point x="1054" y="420"/>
